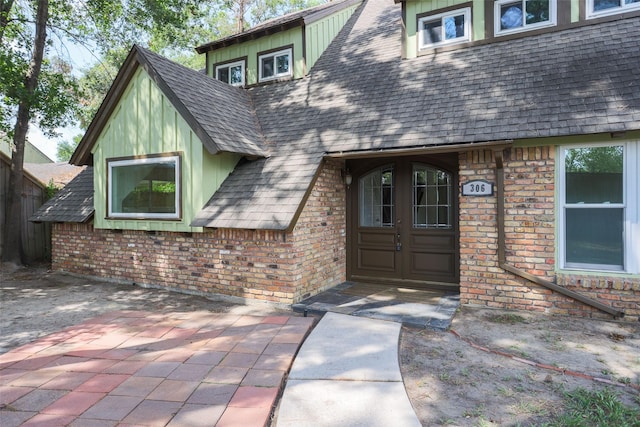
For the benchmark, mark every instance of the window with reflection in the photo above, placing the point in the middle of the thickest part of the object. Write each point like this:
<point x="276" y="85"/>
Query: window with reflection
<point x="597" y="8"/>
<point x="431" y="197"/>
<point x="377" y="199"/>
<point x="142" y="188"/>
<point x="231" y="73"/>
<point x="445" y="28"/>
<point x="275" y="65"/>
<point x="594" y="207"/>
<point x="512" y="16"/>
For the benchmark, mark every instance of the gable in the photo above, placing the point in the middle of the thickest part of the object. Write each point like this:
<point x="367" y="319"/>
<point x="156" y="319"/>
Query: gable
<point x="144" y="123"/>
<point x="227" y="124"/>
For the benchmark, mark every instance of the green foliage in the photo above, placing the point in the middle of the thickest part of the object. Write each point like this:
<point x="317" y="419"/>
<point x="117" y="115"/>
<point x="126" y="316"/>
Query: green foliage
<point x="268" y="9"/>
<point x="597" y="408"/>
<point x="508" y="318"/>
<point x="53" y="103"/>
<point x="50" y="190"/>
<point x="65" y="149"/>
<point x="95" y="83"/>
<point x="595" y="159"/>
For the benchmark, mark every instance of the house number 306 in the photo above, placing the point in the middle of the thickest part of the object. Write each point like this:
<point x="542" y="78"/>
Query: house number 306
<point x="477" y="188"/>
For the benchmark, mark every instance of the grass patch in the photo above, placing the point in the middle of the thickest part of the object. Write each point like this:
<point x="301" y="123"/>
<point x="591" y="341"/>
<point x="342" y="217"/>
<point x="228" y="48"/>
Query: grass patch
<point x="601" y="408"/>
<point x="507" y="318"/>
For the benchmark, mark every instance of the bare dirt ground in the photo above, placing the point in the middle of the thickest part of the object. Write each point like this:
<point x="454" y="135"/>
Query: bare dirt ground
<point x="451" y="382"/>
<point x="448" y="380"/>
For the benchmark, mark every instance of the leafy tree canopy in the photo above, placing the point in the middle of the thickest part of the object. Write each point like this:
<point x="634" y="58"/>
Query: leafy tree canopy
<point x="595" y="160"/>
<point x="199" y="24"/>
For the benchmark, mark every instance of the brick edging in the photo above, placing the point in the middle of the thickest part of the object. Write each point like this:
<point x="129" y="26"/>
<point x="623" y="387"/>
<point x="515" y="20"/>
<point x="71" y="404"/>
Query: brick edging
<point x="544" y="366"/>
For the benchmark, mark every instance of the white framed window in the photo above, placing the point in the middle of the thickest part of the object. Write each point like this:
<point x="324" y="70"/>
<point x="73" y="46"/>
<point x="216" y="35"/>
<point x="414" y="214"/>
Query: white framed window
<point x="599" y="226"/>
<point x="275" y="65"/>
<point x="144" y="188"/>
<point x="598" y="8"/>
<point x="514" y="16"/>
<point x="445" y="28"/>
<point x="231" y="73"/>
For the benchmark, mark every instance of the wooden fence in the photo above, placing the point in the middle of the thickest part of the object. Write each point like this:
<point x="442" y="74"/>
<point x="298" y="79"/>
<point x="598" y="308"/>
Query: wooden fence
<point x="36" y="238"/>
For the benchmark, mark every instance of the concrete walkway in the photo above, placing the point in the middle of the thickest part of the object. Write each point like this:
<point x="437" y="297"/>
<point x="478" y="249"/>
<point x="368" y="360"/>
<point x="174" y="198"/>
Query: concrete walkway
<point x="347" y="373"/>
<point x="411" y="307"/>
<point x="152" y="369"/>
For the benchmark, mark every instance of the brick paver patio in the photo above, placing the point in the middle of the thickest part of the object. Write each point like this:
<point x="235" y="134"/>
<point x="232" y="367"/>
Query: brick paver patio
<point x="138" y="368"/>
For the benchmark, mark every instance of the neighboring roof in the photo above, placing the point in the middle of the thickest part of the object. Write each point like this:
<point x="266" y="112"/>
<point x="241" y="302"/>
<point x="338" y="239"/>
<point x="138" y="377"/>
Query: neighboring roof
<point x="281" y="23"/>
<point x="31" y="153"/>
<point x="74" y="203"/>
<point x="227" y="124"/>
<point x="58" y="173"/>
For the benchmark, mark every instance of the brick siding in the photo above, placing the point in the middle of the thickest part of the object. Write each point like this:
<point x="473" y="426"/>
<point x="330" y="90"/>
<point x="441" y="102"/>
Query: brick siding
<point x="273" y="266"/>
<point x="530" y="242"/>
<point x="285" y="267"/>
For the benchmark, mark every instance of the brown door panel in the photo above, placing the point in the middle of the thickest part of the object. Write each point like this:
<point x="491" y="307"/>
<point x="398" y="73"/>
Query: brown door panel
<point x="377" y="260"/>
<point x="426" y="240"/>
<point x="435" y="267"/>
<point x="375" y="237"/>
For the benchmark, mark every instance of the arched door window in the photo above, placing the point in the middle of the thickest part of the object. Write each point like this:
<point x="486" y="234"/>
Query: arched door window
<point x="377" y="198"/>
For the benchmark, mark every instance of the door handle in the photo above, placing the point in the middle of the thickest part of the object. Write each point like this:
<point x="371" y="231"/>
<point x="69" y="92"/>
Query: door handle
<point x="398" y="243"/>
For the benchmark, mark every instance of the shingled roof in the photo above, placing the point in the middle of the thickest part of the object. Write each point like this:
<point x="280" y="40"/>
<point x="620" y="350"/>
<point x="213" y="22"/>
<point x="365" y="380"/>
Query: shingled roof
<point x="227" y="124"/>
<point x="74" y="203"/>
<point x="360" y="97"/>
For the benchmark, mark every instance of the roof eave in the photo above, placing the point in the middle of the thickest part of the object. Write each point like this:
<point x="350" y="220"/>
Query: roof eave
<point x="423" y="149"/>
<point x="249" y="35"/>
<point x="276" y="28"/>
<point x="313" y="17"/>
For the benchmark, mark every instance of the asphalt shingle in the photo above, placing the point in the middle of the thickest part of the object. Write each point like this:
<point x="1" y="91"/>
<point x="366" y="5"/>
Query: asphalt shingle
<point x="224" y="112"/>
<point x="74" y="203"/>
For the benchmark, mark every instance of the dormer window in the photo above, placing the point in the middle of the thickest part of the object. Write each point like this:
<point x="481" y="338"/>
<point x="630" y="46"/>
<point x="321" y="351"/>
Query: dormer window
<point x="231" y="73"/>
<point x="445" y="28"/>
<point x="598" y="8"/>
<point x="275" y="65"/>
<point x="513" y="16"/>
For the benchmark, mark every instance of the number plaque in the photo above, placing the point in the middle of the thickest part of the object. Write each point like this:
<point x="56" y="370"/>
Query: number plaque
<point x="478" y="187"/>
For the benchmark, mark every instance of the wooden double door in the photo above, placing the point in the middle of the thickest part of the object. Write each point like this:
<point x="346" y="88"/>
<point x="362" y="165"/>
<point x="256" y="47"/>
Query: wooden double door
<point x="403" y="222"/>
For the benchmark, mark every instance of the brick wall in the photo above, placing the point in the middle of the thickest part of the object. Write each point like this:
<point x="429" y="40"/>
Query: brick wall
<point x="272" y="266"/>
<point x="530" y="241"/>
<point x="320" y="234"/>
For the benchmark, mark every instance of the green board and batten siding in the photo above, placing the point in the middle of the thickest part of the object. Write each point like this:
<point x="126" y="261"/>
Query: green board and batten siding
<point x="318" y="35"/>
<point x="251" y="48"/>
<point x="143" y="123"/>
<point x="415" y="8"/>
<point x="418" y="7"/>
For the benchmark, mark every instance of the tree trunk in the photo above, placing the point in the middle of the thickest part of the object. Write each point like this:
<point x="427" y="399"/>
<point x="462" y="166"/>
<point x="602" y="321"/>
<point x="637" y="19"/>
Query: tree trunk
<point x="240" y="20"/>
<point x="12" y="250"/>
